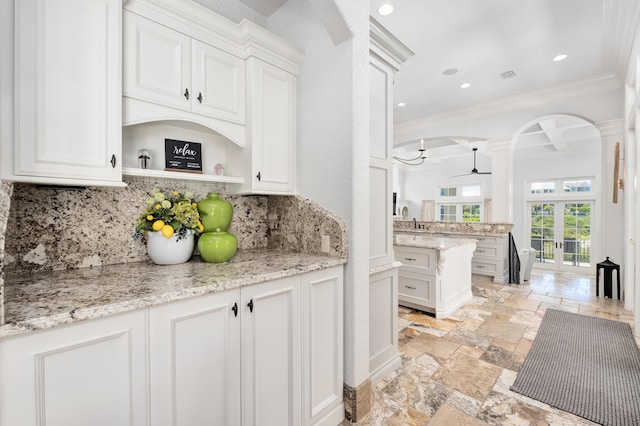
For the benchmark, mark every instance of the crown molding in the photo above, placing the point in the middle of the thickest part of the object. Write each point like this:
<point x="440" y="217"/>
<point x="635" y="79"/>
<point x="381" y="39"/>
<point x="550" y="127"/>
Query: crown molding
<point x="386" y="45"/>
<point x="583" y="87"/>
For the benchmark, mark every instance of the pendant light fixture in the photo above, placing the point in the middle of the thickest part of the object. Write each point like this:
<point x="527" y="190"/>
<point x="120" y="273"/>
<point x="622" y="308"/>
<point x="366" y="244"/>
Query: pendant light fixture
<point x="415" y="161"/>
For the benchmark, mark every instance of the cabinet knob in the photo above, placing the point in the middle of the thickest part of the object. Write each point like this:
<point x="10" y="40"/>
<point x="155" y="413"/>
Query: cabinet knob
<point x="411" y="259"/>
<point x="250" y="305"/>
<point x="186" y="93"/>
<point x="113" y="161"/>
<point x="199" y="97"/>
<point x="409" y="287"/>
<point x="234" y="308"/>
<point x="258" y="176"/>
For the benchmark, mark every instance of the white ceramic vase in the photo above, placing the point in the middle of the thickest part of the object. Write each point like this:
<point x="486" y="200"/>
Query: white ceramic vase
<point x="169" y="251"/>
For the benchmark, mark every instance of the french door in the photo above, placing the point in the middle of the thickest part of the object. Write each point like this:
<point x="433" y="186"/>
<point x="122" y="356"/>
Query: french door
<point x="560" y="231"/>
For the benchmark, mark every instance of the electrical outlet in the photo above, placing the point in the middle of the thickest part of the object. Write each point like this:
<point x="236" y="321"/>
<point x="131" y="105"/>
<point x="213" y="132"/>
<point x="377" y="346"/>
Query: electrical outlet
<point x="325" y="244"/>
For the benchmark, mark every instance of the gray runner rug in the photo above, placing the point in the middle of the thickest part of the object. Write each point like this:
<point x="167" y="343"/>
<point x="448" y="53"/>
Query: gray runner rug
<point x="585" y="365"/>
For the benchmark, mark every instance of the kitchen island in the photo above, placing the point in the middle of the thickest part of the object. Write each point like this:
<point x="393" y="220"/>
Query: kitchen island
<point x="435" y="275"/>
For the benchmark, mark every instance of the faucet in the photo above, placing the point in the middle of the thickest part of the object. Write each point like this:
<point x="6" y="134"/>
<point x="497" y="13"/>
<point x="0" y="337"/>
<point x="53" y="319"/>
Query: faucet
<point x="414" y="224"/>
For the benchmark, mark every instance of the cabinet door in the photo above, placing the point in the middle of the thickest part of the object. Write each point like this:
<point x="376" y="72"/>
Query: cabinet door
<point x="271" y="360"/>
<point x="195" y="361"/>
<point x="157" y="63"/>
<point x="90" y="373"/>
<point x="272" y="94"/>
<point x="218" y="83"/>
<point x="323" y="347"/>
<point x="383" y="324"/>
<point x="68" y="92"/>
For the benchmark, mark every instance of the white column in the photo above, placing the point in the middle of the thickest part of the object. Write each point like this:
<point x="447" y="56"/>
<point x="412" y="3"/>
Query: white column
<point x="501" y="180"/>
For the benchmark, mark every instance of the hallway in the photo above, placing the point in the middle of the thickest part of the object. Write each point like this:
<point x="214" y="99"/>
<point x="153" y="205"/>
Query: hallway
<point x="457" y="371"/>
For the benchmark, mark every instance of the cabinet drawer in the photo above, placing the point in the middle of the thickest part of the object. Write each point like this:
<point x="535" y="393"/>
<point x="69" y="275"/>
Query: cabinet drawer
<point x="418" y="289"/>
<point x="486" y="251"/>
<point x="486" y="241"/>
<point x="416" y="260"/>
<point x="485" y="268"/>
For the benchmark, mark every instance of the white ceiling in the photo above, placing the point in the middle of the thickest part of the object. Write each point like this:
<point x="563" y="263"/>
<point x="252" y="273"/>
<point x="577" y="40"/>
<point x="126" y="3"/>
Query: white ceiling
<point x="482" y="39"/>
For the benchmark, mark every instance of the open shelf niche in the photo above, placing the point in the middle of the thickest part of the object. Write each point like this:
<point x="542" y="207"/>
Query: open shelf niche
<point x="151" y="136"/>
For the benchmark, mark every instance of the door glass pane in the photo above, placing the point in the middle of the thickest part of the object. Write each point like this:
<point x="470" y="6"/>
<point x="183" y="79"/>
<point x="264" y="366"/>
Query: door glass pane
<point x="577" y="234"/>
<point x="542" y="231"/>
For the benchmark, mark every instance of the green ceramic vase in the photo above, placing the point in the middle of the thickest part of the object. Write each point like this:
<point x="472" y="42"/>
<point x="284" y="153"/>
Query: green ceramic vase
<point x="215" y="213"/>
<point x="217" y="247"/>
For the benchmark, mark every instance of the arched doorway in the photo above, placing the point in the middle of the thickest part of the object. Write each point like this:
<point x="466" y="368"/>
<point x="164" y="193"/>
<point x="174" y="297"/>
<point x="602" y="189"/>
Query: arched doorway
<point x="557" y="163"/>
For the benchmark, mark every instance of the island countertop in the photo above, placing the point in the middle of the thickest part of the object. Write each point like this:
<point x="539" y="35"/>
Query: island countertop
<point x="45" y="300"/>
<point x="429" y="241"/>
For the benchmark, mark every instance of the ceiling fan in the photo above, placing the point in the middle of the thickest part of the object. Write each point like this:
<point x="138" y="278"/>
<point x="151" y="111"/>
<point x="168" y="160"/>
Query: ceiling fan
<point x="473" y="171"/>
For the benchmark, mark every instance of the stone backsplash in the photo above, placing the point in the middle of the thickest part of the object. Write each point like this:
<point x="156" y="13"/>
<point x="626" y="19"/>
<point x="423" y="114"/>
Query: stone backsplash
<point x="58" y="228"/>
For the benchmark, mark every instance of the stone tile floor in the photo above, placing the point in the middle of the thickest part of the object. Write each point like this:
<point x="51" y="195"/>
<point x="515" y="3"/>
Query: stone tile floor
<point x="458" y="370"/>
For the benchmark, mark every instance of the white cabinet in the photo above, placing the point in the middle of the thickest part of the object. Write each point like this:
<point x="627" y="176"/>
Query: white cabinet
<point x="271" y="353"/>
<point x="167" y="68"/>
<point x="258" y="355"/>
<point x="195" y="361"/>
<point x="435" y="280"/>
<point x="89" y="373"/>
<point x="270" y="160"/>
<point x="417" y="277"/>
<point x="383" y="324"/>
<point x="67" y="93"/>
<point x="491" y="257"/>
<point x="322" y="334"/>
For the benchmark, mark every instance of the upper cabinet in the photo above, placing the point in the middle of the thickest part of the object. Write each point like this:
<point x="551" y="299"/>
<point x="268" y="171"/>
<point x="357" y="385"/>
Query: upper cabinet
<point x="184" y="63"/>
<point x="169" y="75"/>
<point x="66" y="90"/>
<point x="269" y="160"/>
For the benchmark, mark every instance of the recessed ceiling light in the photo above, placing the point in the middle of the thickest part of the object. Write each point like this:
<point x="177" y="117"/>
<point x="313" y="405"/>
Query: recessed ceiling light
<point x="401" y="104"/>
<point x="465" y="85"/>
<point x="560" y="57"/>
<point x="385" y="9"/>
<point x="450" y="71"/>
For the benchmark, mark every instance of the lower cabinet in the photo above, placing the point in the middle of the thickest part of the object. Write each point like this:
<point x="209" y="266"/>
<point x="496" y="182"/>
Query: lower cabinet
<point x="383" y="324"/>
<point x="271" y="353"/>
<point x="264" y="354"/>
<point x="194" y="349"/>
<point x="89" y="373"/>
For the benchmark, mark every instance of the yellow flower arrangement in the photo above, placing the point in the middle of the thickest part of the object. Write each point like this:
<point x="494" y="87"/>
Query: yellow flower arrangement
<point x="173" y="214"/>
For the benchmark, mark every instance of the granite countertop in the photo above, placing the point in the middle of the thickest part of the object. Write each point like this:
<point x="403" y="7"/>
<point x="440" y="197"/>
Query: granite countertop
<point x="424" y="240"/>
<point x="45" y="300"/>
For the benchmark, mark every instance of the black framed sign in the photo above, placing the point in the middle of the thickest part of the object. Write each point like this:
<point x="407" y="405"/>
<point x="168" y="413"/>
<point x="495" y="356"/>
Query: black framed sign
<point x="183" y="156"/>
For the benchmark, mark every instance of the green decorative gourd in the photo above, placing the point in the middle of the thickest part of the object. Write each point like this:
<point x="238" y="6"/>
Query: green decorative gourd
<point x="215" y="213"/>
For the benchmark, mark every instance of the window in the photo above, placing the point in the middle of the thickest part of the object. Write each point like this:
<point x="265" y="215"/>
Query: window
<point x="577" y="186"/>
<point x="561" y="186"/>
<point x="461" y="203"/>
<point x="448" y="192"/>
